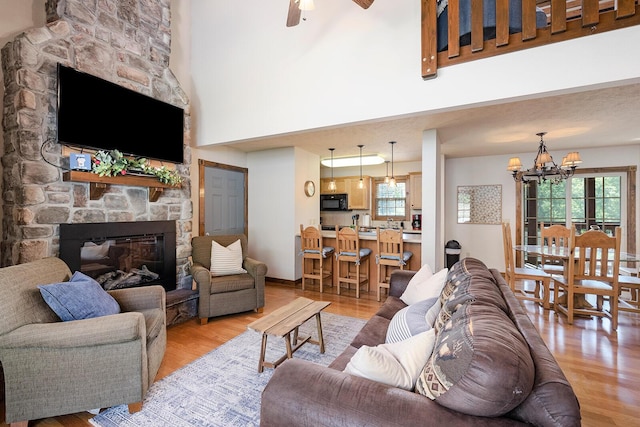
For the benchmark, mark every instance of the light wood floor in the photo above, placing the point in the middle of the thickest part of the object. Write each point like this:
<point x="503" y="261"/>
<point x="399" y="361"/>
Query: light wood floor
<point x="602" y="366"/>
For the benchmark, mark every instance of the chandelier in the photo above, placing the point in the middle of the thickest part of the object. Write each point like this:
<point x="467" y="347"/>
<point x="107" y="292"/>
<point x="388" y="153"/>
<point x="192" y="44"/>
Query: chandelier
<point x="544" y="168"/>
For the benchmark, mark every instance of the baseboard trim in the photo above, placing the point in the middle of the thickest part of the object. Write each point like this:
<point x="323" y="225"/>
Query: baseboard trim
<point x="291" y="283"/>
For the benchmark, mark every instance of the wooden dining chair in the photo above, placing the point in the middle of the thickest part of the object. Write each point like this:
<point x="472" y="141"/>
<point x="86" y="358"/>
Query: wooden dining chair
<point x="629" y="299"/>
<point x="314" y="255"/>
<point x="349" y="254"/>
<point x="542" y="280"/>
<point x="553" y="236"/>
<point x="585" y="275"/>
<point x="391" y="256"/>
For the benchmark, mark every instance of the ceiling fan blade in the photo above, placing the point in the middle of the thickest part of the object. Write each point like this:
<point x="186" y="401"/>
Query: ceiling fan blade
<point x="364" y="3"/>
<point x="293" y="17"/>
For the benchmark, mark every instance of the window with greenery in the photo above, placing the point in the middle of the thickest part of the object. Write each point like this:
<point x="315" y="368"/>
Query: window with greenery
<point x="580" y="202"/>
<point x="391" y="202"/>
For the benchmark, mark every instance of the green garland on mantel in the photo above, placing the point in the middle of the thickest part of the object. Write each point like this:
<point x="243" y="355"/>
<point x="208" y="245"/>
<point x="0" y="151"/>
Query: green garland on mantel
<point x="114" y="163"/>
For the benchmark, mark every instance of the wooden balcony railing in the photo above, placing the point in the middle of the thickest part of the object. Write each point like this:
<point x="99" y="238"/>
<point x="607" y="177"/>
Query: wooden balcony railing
<point x="512" y="25"/>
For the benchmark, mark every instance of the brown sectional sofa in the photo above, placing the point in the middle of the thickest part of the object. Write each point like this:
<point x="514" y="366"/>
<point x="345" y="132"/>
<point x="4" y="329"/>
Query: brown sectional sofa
<point x="301" y="393"/>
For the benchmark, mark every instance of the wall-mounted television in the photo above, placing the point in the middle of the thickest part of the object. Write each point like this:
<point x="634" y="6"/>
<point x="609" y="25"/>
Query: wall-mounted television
<point x="97" y="114"/>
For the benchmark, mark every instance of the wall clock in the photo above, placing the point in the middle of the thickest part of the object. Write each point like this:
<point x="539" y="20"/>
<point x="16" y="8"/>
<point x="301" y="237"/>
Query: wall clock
<point x="309" y="188"/>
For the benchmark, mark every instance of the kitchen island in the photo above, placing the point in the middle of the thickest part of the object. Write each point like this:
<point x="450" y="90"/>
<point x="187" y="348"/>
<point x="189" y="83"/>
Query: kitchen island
<point x="412" y="241"/>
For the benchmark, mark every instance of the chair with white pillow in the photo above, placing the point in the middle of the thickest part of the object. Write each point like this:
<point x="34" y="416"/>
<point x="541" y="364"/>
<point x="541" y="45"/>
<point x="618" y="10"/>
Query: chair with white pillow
<point x="228" y="280"/>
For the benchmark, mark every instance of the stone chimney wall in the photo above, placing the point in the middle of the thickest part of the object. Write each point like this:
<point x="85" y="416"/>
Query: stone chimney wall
<point x="123" y="41"/>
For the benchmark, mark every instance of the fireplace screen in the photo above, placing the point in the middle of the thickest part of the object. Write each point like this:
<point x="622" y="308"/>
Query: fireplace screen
<point x="122" y="254"/>
<point x="123" y="263"/>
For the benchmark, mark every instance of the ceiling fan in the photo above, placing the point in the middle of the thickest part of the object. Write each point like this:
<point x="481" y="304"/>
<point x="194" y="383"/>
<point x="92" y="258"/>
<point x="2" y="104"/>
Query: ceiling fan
<point x="297" y="6"/>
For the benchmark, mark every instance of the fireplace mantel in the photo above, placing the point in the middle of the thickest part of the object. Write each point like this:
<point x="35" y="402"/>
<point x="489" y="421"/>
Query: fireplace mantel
<point x="99" y="184"/>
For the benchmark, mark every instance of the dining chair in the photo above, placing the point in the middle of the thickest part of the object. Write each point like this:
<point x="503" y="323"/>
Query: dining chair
<point x="629" y="285"/>
<point x="391" y="256"/>
<point x="555" y="235"/>
<point x="352" y="256"/>
<point x="542" y="280"/>
<point x="314" y="254"/>
<point x="590" y="251"/>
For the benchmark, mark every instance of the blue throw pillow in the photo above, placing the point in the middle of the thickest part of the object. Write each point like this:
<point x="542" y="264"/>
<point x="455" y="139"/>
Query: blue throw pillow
<point x="409" y="321"/>
<point x="80" y="298"/>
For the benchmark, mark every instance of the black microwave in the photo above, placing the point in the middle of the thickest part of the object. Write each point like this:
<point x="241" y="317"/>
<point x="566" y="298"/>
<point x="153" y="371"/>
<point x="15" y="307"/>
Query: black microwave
<point x="334" y="202"/>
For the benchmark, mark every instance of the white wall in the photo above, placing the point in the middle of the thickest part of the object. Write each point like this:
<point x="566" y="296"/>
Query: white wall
<point x="485" y="241"/>
<point x="346" y="65"/>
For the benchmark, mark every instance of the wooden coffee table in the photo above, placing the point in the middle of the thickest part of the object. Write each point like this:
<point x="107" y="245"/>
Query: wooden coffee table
<point x="284" y="322"/>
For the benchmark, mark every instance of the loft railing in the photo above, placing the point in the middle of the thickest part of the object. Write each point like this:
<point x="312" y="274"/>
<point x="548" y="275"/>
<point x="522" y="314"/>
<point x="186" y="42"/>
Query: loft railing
<point x="565" y="20"/>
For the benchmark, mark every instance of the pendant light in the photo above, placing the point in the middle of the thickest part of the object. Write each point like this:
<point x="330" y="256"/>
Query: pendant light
<point x="332" y="183"/>
<point x="386" y="177"/>
<point x="392" y="180"/>
<point x="361" y="183"/>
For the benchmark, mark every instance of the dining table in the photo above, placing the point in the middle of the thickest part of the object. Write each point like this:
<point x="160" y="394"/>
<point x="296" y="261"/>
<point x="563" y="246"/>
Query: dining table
<point x="563" y="253"/>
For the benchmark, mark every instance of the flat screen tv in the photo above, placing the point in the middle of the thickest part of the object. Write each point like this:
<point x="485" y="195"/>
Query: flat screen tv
<point x="97" y="114"/>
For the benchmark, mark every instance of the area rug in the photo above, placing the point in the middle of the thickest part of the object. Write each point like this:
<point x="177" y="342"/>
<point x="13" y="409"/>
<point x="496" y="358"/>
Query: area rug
<point x="223" y="387"/>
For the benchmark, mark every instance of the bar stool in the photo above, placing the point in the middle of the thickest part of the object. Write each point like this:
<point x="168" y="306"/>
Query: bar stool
<point x="349" y="252"/>
<point x="390" y="256"/>
<point x="313" y="256"/>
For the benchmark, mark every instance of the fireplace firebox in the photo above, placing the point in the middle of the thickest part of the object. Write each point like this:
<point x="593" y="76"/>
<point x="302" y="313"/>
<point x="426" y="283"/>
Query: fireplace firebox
<point x="122" y="254"/>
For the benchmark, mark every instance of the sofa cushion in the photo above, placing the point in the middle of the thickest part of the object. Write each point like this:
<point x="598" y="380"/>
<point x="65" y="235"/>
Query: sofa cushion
<point x="469" y="281"/>
<point x="409" y="321"/>
<point x="397" y="364"/>
<point x="390" y="307"/>
<point x="373" y="333"/>
<point x="80" y="298"/>
<point x="481" y="364"/>
<point x="423" y="286"/>
<point x="226" y="260"/>
<point x="231" y="283"/>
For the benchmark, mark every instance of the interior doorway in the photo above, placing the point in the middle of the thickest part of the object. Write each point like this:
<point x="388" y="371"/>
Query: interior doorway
<point x="223" y="199"/>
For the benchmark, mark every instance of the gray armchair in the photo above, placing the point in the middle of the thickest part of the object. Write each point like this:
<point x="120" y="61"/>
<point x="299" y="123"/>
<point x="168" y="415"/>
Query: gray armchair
<point x="222" y="295"/>
<point x="53" y="368"/>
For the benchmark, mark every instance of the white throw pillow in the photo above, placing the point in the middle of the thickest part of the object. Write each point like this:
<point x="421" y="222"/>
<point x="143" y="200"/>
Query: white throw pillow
<point x="398" y="364"/>
<point x="226" y="261"/>
<point x="420" y="289"/>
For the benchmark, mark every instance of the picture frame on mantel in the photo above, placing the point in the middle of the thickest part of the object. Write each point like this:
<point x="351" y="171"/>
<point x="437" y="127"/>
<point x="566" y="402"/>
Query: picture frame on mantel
<point x="479" y="204"/>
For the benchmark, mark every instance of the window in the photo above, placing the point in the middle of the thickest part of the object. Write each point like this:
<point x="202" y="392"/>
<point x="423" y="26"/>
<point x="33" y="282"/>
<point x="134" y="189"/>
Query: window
<point x="391" y="202"/>
<point x="579" y="202"/>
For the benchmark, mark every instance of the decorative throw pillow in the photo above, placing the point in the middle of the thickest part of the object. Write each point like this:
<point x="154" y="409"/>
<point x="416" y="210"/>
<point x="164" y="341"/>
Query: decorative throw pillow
<point x="226" y="261"/>
<point x="80" y="298"/>
<point x="419" y="289"/>
<point x="432" y="313"/>
<point x="409" y="321"/>
<point x="397" y="364"/>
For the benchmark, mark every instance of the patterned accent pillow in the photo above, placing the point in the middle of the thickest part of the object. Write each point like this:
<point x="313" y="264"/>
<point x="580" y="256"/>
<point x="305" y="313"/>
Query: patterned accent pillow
<point x="409" y="321"/>
<point x="481" y="365"/>
<point x="226" y="261"/>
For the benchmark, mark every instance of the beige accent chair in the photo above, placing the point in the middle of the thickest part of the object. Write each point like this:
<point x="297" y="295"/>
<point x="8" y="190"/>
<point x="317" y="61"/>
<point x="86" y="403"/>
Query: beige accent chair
<point x="53" y="368"/>
<point x="222" y="295"/>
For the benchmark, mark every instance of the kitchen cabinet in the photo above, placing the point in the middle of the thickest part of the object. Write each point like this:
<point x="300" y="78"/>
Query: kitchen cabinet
<point x="415" y="190"/>
<point x="359" y="198"/>
<point x="341" y="186"/>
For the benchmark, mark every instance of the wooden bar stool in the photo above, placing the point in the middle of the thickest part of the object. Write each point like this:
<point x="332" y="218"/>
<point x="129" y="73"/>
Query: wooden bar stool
<point x="390" y="256"/>
<point x="314" y="255"/>
<point x="349" y="252"/>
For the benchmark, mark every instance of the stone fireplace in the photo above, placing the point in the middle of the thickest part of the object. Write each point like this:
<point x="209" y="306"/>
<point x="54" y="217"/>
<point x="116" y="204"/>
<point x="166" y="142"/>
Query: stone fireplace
<point x="125" y="42"/>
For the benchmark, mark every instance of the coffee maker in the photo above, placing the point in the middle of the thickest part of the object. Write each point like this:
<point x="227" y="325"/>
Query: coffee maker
<point x="416" y="221"/>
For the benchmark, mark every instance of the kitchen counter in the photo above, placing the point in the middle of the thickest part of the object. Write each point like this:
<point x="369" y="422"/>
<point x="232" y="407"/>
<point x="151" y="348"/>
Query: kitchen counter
<point x="408" y="236"/>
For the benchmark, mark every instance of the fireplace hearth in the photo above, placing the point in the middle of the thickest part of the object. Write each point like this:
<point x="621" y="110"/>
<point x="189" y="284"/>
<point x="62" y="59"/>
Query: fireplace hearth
<point x="122" y="254"/>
